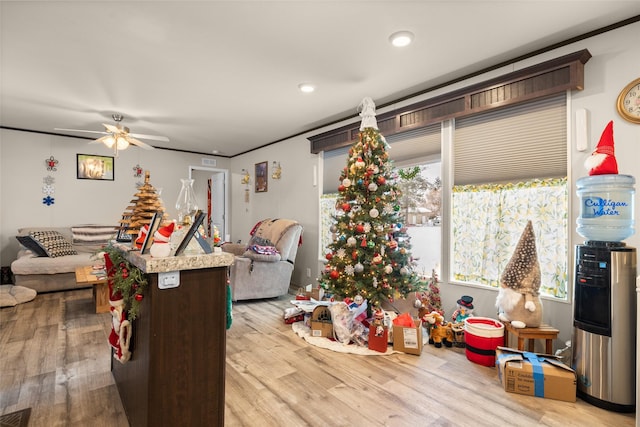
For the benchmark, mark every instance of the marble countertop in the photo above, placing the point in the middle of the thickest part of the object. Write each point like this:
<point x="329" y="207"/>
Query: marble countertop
<point x="149" y="264"/>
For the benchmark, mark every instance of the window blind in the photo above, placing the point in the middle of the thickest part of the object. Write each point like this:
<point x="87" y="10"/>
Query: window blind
<point x="516" y="143"/>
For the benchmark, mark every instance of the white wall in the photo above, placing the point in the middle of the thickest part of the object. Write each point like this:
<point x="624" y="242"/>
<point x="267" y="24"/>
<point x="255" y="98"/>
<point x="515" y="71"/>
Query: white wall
<point x="614" y="64"/>
<point x="77" y="201"/>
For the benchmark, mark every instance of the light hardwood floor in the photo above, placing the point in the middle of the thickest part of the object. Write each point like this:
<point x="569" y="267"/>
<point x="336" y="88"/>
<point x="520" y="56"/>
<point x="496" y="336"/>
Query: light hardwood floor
<point x="54" y="358"/>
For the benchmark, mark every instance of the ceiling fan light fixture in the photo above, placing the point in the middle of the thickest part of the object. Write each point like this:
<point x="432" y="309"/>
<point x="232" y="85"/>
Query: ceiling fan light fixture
<point x="109" y="141"/>
<point x="401" y="38"/>
<point x="121" y="143"/>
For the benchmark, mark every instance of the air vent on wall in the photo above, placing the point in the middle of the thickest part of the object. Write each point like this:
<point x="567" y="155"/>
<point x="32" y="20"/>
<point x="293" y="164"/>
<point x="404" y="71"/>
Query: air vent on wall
<point x="208" y="162"/>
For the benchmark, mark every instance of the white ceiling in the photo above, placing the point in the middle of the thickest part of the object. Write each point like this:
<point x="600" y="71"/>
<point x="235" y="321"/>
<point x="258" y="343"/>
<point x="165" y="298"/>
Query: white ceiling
<point x="223" y="75"/>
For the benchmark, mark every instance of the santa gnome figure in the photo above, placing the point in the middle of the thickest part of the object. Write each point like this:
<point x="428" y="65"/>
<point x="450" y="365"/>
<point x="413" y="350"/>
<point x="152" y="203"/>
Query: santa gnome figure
<point x="518" y="299"/>
<point x="603" y="160"/>
<point x="161" y="247"/>
<point x="120" y="335"/>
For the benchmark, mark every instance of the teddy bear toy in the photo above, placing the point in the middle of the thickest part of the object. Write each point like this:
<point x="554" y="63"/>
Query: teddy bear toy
<point x="518" y="299"/>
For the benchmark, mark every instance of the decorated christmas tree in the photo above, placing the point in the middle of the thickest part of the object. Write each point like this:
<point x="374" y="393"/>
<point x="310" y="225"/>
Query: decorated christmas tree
<point x="370" y="254"/>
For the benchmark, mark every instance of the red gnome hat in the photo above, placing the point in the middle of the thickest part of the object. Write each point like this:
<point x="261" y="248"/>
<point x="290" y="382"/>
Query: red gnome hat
<point x="603" y="160"/>
<point x="163" y="235"/>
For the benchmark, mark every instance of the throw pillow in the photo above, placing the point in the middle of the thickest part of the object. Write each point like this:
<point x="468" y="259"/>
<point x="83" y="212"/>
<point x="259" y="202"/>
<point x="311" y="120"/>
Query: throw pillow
<point x="32" y="245"/>
<point x="53" y="243"/>
<point x="92" y="234"/>
<point x="260" y="241"/>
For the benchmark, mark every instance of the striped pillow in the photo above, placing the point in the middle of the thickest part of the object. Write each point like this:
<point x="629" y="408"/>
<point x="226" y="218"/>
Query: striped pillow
<point x="92" y="234"/>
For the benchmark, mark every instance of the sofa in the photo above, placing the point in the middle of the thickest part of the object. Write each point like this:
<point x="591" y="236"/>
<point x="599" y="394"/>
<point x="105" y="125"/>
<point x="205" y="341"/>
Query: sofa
<point x="263" y="267"/>
<point x="48" y="256"/>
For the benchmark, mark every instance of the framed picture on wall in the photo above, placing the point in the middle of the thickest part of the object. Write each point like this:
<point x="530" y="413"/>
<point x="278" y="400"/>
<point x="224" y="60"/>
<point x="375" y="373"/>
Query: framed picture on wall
<point x="261" y="177"/>
<point x="90" y="166"/>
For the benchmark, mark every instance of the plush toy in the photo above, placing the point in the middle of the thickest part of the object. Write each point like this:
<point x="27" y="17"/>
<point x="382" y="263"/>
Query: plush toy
<point x="439" y="332"/>
<point x="464" y="309"/>
<point x="603" y="160"/>
<point x="518" y="298"/>
<point x="161" y="247"/>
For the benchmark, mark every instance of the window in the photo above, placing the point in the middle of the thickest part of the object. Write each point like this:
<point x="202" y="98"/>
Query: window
<point x="419" y="148"/>
<point x="510" y="167"/>
<point x="512" y="163"/>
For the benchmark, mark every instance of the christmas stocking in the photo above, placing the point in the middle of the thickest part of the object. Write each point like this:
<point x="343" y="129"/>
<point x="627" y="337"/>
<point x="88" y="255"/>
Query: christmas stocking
<point x="120" y="335"/>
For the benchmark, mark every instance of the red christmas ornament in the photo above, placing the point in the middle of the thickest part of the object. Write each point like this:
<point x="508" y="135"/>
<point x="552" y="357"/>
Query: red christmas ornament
<point x="328" y="256"/>
<point x="341" y="188"/>
<point x="354" y="255"/>
<point x="138" y="297"/>
<point x="359" y="228"/>
<point x="334" y="274"/>
<point x="381" y="180"/>
<point x="364" y="243"/>
<point x="346" y="207"/>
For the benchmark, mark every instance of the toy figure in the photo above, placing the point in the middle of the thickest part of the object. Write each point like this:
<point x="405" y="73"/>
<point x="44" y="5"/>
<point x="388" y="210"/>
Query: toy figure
<point x="439" y="332"/>
<point x="464" y="310"/>
<point x="518" y="299"/>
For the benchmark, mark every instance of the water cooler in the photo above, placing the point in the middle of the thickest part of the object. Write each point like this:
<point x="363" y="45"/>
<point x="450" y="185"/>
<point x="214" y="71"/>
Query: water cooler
<point x="604" y="304"/>
<point x="604" y="347"/>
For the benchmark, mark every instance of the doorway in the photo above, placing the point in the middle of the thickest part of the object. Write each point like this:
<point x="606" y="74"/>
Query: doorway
<point x="210" y="186"/>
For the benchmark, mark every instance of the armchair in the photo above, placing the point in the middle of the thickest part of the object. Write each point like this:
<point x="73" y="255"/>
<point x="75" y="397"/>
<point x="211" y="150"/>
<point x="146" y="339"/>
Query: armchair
<point x="259" y="270"/>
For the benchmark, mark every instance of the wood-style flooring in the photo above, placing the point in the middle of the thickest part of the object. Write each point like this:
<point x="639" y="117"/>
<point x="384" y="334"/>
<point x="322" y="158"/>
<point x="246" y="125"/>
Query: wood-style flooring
<point x="54" y="358"/>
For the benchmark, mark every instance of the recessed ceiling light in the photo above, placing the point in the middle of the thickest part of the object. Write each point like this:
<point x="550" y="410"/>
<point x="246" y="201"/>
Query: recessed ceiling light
<point x="401" y="38"/>
<point x="306" y="87"/>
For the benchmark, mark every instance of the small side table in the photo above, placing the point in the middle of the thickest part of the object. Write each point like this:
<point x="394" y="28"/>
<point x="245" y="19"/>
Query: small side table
<point x="100" y="287"/>
<point x="544" y="332"/>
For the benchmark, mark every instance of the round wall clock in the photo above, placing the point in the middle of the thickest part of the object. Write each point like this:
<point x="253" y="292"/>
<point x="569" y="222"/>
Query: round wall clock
<point x="628" y="103"/>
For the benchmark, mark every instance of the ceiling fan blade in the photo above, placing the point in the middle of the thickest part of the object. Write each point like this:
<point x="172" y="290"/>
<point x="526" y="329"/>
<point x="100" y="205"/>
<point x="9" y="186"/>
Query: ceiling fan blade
<point x="81" y="130"/>
<point x="138" y="143"/>
<point x="111" y="128"/>
<point x="151" y="137"/>
<point x="101" y="140"/>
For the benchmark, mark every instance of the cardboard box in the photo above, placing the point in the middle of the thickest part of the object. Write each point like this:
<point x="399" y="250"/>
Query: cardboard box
<point x="533" y="374"/>
<point x="321" y="325"/>
<point x="408" y="340"/>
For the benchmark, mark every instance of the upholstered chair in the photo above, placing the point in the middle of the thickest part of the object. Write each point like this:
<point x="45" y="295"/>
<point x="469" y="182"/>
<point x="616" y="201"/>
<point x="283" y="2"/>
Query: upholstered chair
<point x="263" y="267"/>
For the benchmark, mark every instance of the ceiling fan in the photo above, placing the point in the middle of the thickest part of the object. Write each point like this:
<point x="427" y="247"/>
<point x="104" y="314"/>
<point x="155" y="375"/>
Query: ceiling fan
<point x="118" y="136"/>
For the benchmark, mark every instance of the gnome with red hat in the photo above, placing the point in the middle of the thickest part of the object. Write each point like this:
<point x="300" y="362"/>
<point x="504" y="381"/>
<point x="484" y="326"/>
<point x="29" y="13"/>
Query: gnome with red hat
<point x="603" y="160"/>
<point x="161" y="247"/>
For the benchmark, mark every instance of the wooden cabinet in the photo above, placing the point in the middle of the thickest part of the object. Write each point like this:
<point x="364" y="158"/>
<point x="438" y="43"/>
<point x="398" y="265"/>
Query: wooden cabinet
<point x="176" y="374"/>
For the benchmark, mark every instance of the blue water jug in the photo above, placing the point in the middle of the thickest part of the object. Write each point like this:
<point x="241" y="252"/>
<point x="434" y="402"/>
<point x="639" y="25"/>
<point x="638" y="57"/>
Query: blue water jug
<point x="606" y="207"/>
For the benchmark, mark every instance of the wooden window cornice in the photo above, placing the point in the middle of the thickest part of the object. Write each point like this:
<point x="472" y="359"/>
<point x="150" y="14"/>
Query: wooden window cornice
<point x="538" y="81"/>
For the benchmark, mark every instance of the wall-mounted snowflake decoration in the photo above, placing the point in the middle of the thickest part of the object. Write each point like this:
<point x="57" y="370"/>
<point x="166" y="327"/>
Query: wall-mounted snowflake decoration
<point x="48" y="189"/>
<point x="137" y="171"/>
<point x="49" y="180"/>
<point x="48" y="200"/>
<point x="51" y="164"/>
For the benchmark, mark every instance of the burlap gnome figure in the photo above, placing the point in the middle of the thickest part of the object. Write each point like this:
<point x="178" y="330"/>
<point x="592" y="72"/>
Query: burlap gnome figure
<point x="518" y="300"/>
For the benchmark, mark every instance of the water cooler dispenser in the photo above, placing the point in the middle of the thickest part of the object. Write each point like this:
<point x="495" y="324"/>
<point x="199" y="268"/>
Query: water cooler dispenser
<point x="604" y="325"/>
<point x="604" y="304"/>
